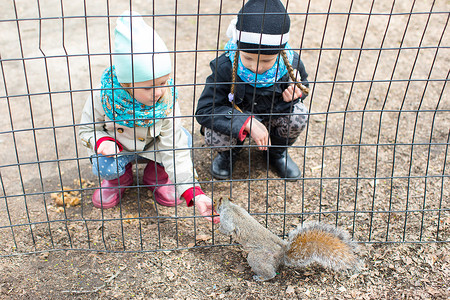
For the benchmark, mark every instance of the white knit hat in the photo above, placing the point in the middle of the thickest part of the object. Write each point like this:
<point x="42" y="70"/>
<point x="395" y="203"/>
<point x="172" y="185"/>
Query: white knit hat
<point x="150" y="58"/>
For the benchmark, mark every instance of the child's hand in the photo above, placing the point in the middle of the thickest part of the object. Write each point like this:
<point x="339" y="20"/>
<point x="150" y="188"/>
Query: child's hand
<point x="291" y="93"/>
<point x="108" y="148"/>
<point x="205" y="208"/>
<point x="259" y="133"/>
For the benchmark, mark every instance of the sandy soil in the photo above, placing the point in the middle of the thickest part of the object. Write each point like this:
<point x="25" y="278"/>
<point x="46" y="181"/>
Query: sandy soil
<point x="373" y="157"/>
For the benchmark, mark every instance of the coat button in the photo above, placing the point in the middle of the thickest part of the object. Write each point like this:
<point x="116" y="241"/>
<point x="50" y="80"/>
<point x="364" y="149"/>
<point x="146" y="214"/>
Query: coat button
<point x="141" y="139"/>
<point x="120" y="130"/>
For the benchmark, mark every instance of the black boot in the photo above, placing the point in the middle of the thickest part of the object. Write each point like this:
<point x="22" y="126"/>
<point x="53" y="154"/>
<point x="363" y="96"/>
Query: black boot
<point x="222" y="165"/>
<point x="280" y="160"/>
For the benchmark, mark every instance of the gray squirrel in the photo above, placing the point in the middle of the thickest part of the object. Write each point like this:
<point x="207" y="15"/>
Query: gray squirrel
<point x="310" y="242"/>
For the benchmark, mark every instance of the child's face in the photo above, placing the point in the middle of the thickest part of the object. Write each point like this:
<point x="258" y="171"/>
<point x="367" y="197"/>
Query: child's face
<point x="258" y="63"/>
<point x="148" y="92"/>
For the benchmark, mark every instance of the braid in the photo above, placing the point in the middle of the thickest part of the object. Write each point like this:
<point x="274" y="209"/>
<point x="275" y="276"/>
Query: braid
<point x="303" y="88"/>
<point x="233" y="75"/>
<point x="233" y="79"/>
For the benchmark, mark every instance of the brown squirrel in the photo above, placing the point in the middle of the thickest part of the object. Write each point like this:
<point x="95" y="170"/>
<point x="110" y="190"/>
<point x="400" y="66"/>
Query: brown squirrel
<point x="308" y="243"/>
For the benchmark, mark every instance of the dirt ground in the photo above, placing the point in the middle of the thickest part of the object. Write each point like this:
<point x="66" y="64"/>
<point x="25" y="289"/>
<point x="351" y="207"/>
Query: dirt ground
<point x="374" y="157"/>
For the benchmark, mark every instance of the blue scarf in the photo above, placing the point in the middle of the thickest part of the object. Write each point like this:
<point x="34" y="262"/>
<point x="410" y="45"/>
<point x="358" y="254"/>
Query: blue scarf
<point x="269" y="77"/>
<point x="113" y="93"/>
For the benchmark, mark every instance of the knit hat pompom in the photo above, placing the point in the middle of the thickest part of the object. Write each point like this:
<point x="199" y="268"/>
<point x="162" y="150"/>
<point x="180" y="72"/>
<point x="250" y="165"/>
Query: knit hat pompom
<point x="140" y="54"/>
<point x="261" y="25"/>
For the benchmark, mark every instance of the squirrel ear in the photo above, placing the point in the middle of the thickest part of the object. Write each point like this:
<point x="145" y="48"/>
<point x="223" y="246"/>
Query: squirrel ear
<point x="224" y="201"/>
<point x="217" y="203"/>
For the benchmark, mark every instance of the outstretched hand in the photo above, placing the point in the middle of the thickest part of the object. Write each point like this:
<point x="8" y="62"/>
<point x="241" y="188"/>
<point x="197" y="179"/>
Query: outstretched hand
<point x="205" y="207"/>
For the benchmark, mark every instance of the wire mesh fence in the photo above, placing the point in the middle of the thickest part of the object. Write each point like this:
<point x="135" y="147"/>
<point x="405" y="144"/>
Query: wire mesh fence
<point x="373" y="156"/>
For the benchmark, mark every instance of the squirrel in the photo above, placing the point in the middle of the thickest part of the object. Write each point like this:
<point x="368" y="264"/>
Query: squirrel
<point x="309" y="242"/>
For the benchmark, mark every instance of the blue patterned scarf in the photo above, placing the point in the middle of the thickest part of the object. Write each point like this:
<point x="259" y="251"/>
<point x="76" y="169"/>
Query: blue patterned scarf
<point x="269" y="77"/>
<point x="113" y="93"/>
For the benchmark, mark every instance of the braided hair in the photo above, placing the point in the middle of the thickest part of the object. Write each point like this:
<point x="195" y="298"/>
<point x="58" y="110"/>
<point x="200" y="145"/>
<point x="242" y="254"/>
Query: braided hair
<point x="234" y="73"/>
<point x="304" y="89"/>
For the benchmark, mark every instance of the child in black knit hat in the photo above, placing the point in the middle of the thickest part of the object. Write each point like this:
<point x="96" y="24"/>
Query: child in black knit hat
<point x="256" y="88"/>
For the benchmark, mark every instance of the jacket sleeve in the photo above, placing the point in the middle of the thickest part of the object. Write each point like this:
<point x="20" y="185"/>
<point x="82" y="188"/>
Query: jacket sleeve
<point x="174" y="153"/>
<point x="214" y="110"/>
<point x="92" y="122"/>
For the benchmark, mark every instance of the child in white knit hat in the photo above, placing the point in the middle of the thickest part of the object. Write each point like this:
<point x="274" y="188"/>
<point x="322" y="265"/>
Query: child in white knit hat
<point x="133" y="116"/>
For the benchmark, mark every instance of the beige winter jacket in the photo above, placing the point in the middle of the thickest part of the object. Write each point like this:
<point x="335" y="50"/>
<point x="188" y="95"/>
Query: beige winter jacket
<point x="165" y="142"/>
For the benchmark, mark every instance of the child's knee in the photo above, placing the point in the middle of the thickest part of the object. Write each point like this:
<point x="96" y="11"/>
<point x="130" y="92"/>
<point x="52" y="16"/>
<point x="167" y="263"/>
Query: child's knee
<point x="107" y="167"/>
<point x="291" y="127"/>
<point x="220" y="141"/>
<point x="300" y="119"/>
<point x="108" y="173"/>
<point x="301" y="122"/>
<point x="301" y="112"/>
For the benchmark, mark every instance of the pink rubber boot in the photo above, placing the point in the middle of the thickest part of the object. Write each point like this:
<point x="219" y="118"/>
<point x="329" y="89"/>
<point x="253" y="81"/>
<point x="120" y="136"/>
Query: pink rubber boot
<point x="163" y="188"/>
<point x="110" y="193"/>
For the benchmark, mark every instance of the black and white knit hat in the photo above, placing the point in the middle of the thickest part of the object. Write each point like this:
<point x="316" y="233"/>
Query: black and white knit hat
<point x="261" y="25"/>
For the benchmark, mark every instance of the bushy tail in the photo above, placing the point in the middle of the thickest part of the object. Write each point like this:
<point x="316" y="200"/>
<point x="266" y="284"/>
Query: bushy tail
<point x="321" y="243"/>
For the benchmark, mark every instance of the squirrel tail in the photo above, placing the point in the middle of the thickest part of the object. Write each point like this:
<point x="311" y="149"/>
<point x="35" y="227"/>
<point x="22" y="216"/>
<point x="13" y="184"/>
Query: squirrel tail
<point x="322" y="243"/>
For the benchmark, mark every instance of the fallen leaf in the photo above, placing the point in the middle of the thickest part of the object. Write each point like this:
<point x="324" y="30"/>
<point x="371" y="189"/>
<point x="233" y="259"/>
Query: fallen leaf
<point x="407" y="260"/>
<point x="240" y="268"/>
<point x="290" y="290"/>
<point x="202" y="237"/>
<point x="70" y="198"/>
<point x="129" y="218"/>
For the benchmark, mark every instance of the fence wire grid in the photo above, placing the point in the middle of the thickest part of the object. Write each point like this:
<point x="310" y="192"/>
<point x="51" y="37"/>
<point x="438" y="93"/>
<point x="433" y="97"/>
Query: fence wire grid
<point x="374" y="155"/>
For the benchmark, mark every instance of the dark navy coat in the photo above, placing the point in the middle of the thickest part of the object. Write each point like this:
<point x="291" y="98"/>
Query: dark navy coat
<point x="215" y="111"/>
